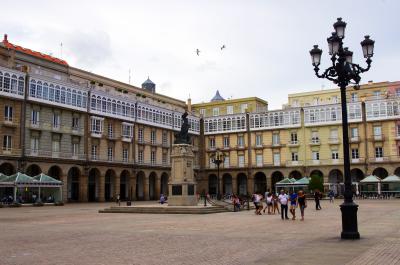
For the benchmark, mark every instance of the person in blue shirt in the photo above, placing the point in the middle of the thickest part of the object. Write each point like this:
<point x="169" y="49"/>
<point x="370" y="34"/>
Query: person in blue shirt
<point x="293" y="204"/>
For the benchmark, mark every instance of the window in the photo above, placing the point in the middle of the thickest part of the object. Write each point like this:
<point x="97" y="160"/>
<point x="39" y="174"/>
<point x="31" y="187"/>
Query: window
<point x="140" y="156"/>
<point x="277" y="159"/>
<point x="377" y="131"/>
<point x="56" y="146"/>
<point x="334" y="135"/>
<point x="293" y="138"/>
<point x="34" y="145"/>
<point x="7" y="142"/>
<point x="226" y="162"/>
<point x="229" y="110"/>
<point x="243" y="108"/>
<point x="240" y="141"/>
<point x="241" y="160"/>
<point x="379" y="152"/>
<point x="8" y="113"/>
<point x="211" y="143"/>
<point x="398" y="92"/>
<point x="75" y="149"/>
<point x="377" y="94"/>
<point x="398" y="130"/>
<point x="75" y="123"/>
<point x="259" y="160"/>
<point x="153" y="137"/>
<point x="354" y="97"/>
<point x="295" y="156"/>
<point x="56" y="120"/>
<point x="354" y="132"/>
<point x="140" y="135"/>
<point x="315" y="155"/>
<point x="110" y="130"/>
<point x="275" y="139"/>
<point x="125" y="155"/>
<point x="335" y="99"/>
<point x="354" y="153"/>
<point x="110" y="154"/>
<point x="335" y="155"/>
<point x="258" y="140"/>
<point x="153" y="157"/>
<point x="314" y="138"/>
<point x="226" y="141"/>
<point x="165" y="158"/>
<point x="127" y="130"/>
<point x="215" y="111"/>
<point x="165" y="138"/>
<point x="96" y="125"/>
<point x="35" y="117"/>
<point x="203" y="112"/>
<point x="94" y="152"/>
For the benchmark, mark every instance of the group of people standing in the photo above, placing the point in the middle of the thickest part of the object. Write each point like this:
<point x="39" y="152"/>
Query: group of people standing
<point x="292" y="201"/>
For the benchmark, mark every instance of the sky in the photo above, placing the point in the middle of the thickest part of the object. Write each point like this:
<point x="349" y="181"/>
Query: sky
<point x="267" y="42"/>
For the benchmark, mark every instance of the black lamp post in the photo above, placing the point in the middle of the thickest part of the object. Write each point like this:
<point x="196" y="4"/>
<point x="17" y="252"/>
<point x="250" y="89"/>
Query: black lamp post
<point x="344" y="72"/>
<point x="218" y="158"/>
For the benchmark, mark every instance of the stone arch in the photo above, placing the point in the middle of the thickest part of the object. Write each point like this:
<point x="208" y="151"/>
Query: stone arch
<point x="212" y="184"/>
<point x="164" y="183"/>
<point x="356" y="175"/>
<point x="275" y="177"/>
<point x="260" y="182"/>
<point x="124" y="188"/>
<point x="397" y="171"/>
<point x="227" y="184"/>
<point x="152" y="186"/>
<point x="7" y="169"/>
<point x="335" y="181"/>
<point x="33" y="170"/>
<point x="380" y="172"/>
<point x="242" y="184"/>
<point x="295" y="174"/>
<point x="109" y="185"/>
<point x="140" y="177"/>
<point x="73" y="183"/>
<point x="55" y="172"/>
<point x="93" y="185"/>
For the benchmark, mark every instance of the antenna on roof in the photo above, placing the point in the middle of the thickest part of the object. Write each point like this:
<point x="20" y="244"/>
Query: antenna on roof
<point x="61" y="49"/>
<point x="129" y="82"/>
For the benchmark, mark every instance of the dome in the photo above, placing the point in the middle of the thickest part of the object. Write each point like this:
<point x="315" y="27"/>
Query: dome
<point x="149" y="85"/>
<point x="217" y="97"/>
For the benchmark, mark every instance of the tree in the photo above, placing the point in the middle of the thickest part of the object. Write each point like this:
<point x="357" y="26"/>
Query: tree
<point x="316" y="182"/>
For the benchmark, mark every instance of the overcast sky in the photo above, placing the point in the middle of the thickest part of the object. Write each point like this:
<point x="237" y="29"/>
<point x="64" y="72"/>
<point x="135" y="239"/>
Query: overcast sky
<point x="267" y="42"/>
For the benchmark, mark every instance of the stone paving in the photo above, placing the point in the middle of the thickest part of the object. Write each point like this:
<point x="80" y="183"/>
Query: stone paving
<point x="78" y="234"/>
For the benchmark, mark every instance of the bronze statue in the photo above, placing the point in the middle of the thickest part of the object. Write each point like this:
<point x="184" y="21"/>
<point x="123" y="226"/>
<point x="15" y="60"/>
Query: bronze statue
<point x="183" y="136"/>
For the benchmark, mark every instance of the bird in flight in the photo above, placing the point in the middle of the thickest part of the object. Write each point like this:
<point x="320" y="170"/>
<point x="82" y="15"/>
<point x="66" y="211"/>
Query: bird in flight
<point x="223" y="47"/>
<point x="197" y="52"/>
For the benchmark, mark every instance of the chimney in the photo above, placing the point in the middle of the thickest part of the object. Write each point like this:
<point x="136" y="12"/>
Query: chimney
<point x="5" y="40"/>
<point x="189" y="105"/>
<point x="370" y="82"/>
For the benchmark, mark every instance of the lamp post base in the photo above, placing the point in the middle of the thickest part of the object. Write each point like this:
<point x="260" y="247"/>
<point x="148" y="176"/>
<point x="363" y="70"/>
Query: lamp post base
<point x="349" y="220"/>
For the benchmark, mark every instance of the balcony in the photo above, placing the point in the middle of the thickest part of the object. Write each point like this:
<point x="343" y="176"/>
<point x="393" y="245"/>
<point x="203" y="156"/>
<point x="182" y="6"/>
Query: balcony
<point x="11" y="152"/>
<point x="276" y="145"/>
<point x="378" y="137"/>
<point x="294" y="163"/>
<point x="379" y="159"/>
<point x="240" y="147"/>
<point x="355" y="139"/>
<point x="315" y="141"/>
<point x="34" y="124"/>
<point x="9" y="122"/>
<point x="55" y="127"/>
<point x="76" y="130"/>
<point x="357" y="160"/>
<point x="152" y="164"/>
<point x="258" y="146"/>
<point x="51" y="154"/>
<point x="334" y="140"/>
<point x="126" y="138"/>
<point x="96" y="134"/>
<point x="293" y="143"/>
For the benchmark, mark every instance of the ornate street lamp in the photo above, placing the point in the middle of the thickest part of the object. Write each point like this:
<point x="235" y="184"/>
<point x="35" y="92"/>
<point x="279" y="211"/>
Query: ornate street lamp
<point x="344" y="72"/>
<point x="218" y="158"/>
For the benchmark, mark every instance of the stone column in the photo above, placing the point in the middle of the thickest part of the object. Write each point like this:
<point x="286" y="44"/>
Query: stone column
<point x="146" y="194"/>
<point x="250" y="185"/>
<point x="101" y="188"/>
<point x="221" y="188"/>
<point x="132" y="187"/>
<point x="64" y="188"/>
<point x="234" y="185"/>
<point x="117" y="187"/>
<point x="83" y="188"/>
<point x="158" y="187"/>
<point x="269" y="183"/>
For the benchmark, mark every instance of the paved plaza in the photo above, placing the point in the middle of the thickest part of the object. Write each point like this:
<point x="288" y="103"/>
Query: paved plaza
<point x="78" y="234"/>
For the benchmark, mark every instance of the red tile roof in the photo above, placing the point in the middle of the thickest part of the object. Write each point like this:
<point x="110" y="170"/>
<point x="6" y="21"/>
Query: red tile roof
<point x="31" y="52"/>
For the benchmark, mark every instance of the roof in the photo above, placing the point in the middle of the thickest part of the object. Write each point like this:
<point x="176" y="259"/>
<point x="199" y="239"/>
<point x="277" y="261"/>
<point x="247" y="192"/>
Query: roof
<point x="370" y="179"/>
<point x="217" y="97"/>
<point x="40" y="55"/>
<point x="285" y="181"/>
<point x="43" y="178"/>
<point x="392" y="178"/>
<point x="20" y="178"/>
<point x="302" y="181"/>
<point x="148" y="81"/>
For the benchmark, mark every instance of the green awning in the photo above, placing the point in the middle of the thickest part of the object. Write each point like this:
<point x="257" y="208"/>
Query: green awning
<point x="302" y="181"/>
<point x="20" y="178"/>
<point x="370" y="179"/>
<point x="3" y="177"/>
<point x="392" y="178"/>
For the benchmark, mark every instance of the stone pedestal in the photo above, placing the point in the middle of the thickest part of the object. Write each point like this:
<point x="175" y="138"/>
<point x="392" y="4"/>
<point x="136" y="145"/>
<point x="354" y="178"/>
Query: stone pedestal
<point x="182" y="185"/>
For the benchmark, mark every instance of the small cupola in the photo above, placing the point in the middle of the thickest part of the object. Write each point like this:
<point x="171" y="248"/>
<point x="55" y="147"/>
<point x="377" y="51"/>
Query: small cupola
<point x="149" y="85"/>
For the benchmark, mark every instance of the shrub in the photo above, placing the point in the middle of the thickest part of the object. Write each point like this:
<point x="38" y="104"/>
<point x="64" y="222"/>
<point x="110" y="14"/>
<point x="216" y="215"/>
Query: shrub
<point x="316" y="183"/>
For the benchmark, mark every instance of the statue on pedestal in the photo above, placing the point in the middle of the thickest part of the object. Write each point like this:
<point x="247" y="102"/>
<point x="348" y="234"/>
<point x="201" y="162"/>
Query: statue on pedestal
<point x="183" y="136"/>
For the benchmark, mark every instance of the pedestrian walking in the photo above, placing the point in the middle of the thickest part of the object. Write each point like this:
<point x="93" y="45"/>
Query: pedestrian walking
<point x="317" y="198"/>
<point x="275" y="203"/>
<point x="301" y="200"/>
<point x="268" y="201"/>
<point x="236" y="203"/>
<point x="293" y="204"/>
<point x="331" y="196"/>
<point x="283" y="201"/>
<point x="118" y="200"/>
